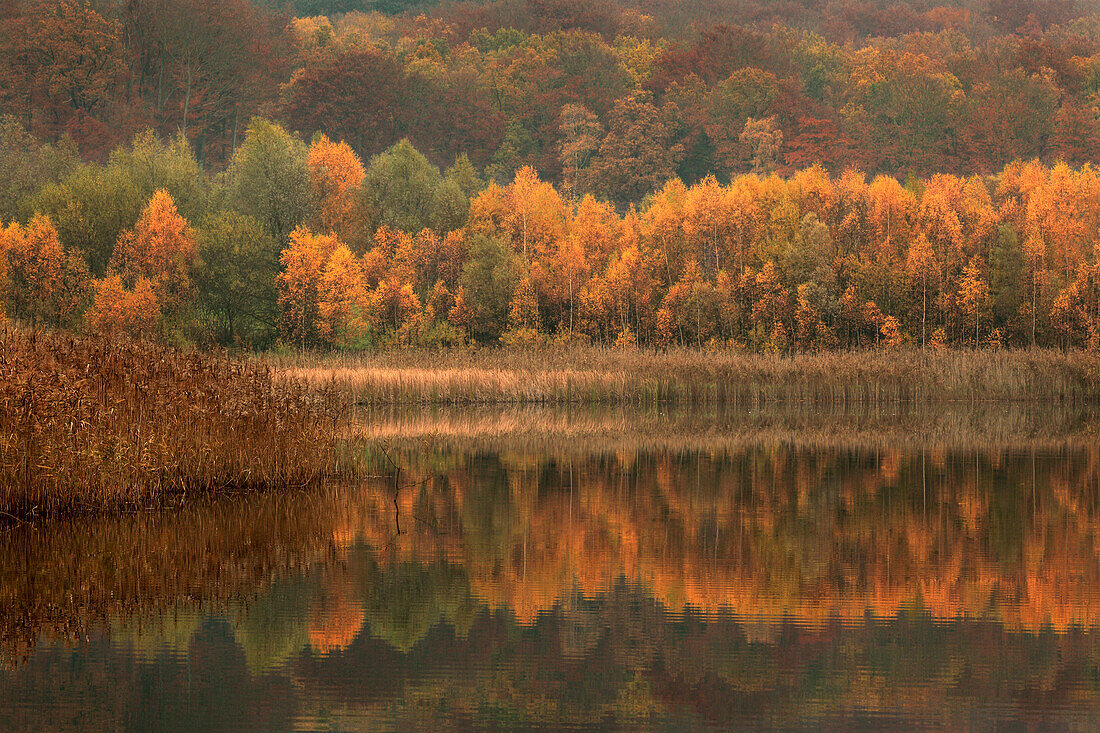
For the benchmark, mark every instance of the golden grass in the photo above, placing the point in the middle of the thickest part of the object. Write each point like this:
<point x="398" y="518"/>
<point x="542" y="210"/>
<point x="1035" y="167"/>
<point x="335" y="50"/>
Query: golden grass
<point x="571" y="430"/>
<point x="100" y="423"/>
<point x="609" y="376"/>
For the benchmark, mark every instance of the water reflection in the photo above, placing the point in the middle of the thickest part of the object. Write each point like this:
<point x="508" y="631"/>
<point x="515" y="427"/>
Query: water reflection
<point x="577" y="569"/>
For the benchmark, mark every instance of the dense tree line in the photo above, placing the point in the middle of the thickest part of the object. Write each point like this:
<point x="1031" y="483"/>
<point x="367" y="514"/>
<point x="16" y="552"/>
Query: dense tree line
<point x="310" y="245"/>
<point x="603" y="97"/>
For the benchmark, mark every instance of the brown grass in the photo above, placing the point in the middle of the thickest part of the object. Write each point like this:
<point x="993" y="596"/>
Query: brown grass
<point x="100" y="423"/>
<point x="567" y="430"/>
<point x="609" y="376"/>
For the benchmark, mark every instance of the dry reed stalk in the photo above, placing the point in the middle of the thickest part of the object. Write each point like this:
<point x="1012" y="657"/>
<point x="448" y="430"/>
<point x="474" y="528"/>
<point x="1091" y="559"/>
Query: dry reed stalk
<point x="609" y="376"/>
<point x="572" y="431"/>
<point x="98" y="423"/>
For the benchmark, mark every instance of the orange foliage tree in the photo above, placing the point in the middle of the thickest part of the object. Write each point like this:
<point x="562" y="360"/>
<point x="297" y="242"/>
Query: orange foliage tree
<point x="299" y="284"/>
<point x="159" y="248"/>
<point x="35" y="266"/>
<point x="148" y="280"/>
<point x="117" y="309"/>
<point x="812" y="261"/>
<point x="335" y="172"/>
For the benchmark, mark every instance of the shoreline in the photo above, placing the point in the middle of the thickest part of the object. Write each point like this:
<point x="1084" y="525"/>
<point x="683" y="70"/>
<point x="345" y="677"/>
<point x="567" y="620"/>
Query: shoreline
<point x="94" y="425"/>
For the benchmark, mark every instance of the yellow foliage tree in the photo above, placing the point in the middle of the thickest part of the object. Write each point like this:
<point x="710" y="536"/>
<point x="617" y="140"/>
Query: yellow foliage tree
<point x="974" y="293"/>
<point x="920" y="265"/>
<point x="342" y="301"/>
<point x="299" y="283"/>
<point x="335" y="171"/>
<point x="524" y="322"/>
<point x="529" y="211"/>
<point x="117" y="309"/>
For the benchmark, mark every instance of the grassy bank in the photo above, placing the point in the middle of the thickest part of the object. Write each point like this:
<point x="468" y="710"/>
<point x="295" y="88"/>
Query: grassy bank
<point x="100" y="423"/>
<point x="609" y="376"/>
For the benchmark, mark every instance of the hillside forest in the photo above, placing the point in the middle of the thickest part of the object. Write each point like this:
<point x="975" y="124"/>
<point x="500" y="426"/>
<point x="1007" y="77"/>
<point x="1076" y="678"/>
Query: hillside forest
<point x="349" y="174"/>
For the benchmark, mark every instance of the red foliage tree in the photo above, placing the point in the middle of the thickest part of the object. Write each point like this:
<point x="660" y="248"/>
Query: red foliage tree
<point x="356" y="95"/>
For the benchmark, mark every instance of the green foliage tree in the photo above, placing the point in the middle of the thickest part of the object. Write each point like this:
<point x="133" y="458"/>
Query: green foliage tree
<point x="28" y="164"/>
<point x="407" y="192"/>
<point x="94" y="203"/>
<point x="489" y="278"/>
<point x="515" y="150"/>
<point x="746" y="93"/>
<point x="463" y="172"/>
<point x="268" y="179"/>
<point x="152" y="164"/>
<point x="235" y="279"/>
<point x="90" y="207"/>
<point x="1006" y="274"/>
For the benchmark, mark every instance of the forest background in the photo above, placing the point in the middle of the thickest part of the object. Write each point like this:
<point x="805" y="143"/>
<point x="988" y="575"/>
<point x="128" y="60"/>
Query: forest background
<point x="773" y="176"/>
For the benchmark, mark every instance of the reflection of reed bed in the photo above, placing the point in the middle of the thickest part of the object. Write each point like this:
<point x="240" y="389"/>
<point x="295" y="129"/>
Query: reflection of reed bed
<point x="99" y="423"/>
<point x="983" y="427"/>
<point x="64" y="578"/>
<point x="595" y="375"/>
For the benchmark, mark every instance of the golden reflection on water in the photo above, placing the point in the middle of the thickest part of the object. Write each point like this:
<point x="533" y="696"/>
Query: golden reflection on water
<point x="662" y="564"/>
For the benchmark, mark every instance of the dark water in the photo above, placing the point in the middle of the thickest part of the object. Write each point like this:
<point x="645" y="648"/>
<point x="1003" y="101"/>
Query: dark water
<point x="592" y="570"/>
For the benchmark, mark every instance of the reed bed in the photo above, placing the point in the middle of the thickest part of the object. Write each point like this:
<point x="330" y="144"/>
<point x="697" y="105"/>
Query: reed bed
<point x="610" y="376"/>
<point x="100" y="423"/>
<point x="570" y="431"/>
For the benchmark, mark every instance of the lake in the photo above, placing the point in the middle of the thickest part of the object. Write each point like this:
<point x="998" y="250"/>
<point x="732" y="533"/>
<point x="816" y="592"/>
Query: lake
<point x="592" y="569"/>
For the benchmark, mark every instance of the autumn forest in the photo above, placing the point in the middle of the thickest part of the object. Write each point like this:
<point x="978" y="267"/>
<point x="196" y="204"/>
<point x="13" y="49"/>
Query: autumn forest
<point x="773" y="177"/>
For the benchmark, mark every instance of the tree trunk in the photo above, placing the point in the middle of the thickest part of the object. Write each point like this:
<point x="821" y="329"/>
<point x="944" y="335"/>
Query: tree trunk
<point x="570" y="306"/>
<point x="924" y="318"/>
<point x="1033" y="310"/>
<point x="186" y="102"/>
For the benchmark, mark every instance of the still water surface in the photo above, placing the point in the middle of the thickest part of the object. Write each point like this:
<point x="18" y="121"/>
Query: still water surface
<point x="592" y="569"/>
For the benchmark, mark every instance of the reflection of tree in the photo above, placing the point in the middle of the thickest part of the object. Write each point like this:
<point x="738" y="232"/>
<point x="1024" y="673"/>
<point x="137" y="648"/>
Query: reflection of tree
<point x="334" y="624"/>
<point x="645" y="665"/>
<point x="66" y="578"/>
<point x="276" y="625"/>
<point x="209" y="687"/>
<point x="407" y="600"/>
<point x="781" y="530"/>
<point x="768" y="584"/>
<point x="488" y="518"/>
